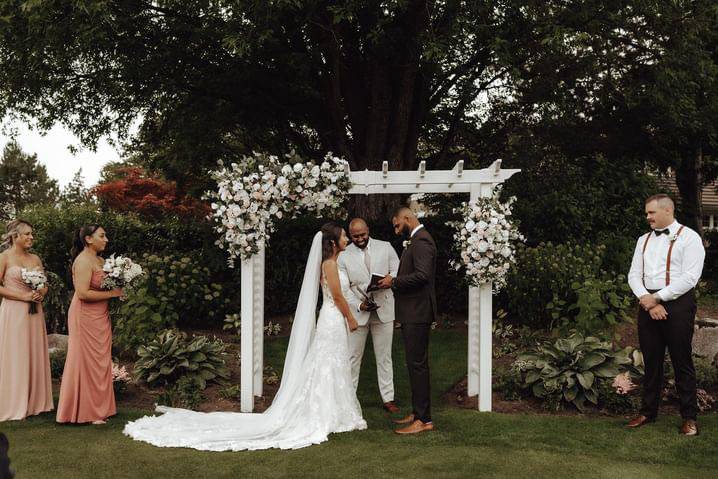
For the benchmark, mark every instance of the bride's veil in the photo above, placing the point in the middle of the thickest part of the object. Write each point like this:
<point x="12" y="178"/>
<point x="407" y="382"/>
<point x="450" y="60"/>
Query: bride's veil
<point x="302" y="327"/>
<point x="227" y="430"/>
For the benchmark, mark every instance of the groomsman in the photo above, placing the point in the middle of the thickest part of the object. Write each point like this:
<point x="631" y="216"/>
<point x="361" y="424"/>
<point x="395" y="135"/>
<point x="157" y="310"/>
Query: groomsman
<point x="373" y="311"/>
<point x="666" y="266"/>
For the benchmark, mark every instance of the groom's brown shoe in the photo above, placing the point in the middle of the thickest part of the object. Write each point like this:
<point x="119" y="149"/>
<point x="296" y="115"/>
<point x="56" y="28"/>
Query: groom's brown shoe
<point x="689" y="428"/>
<point x="639" y="421"/>
<point x="416" y="427"/>
<point x="391" y="407"/>
<point x="405" y="420"/>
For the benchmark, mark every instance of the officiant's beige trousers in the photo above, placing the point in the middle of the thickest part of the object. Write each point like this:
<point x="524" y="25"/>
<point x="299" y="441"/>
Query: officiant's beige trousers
<point x="381" y="337"/>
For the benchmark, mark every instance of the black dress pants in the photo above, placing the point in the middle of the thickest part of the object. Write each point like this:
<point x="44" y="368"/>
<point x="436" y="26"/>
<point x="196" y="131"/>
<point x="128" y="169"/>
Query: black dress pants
<point x="675" y="333"/>
<point x="416" y="344"/>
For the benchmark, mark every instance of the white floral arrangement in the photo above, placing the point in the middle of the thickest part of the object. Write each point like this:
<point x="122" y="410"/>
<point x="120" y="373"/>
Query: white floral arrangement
<point x="121" y="272"/>
<point x="36" y="280"/>
<point x="259" y="189"/>
<point x="487" y="240"/>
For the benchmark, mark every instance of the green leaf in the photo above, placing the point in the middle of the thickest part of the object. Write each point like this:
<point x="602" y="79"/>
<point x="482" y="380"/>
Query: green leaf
<point x="531" y="377"/>
<point x="570" y="394"/>
<point x="606" y="371"/>
<point x="538" y="390"/>
<point x="591" y="360"/>
<point x="198" y="356"/>
<point x="591" y="395"/>
<point x="585" y="379"/>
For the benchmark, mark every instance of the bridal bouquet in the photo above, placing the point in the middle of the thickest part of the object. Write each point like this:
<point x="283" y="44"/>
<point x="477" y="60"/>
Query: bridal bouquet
<point x="121" y="272"/>
<point x="487" y="241"/>
<point x="35" y="279"/>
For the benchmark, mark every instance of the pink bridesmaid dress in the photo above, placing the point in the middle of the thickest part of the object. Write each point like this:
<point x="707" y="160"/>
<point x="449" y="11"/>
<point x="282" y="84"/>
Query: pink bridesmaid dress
<point x="25" y="383"/>
<point x="86" y="392"/>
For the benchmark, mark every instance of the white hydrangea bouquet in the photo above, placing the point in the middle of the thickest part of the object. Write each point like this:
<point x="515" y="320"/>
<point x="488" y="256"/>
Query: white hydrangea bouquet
<point x="486" y="239"/>
<point x="259" y="189"/>
<point x="36" y="280"/>
<point x="121" y="272"/>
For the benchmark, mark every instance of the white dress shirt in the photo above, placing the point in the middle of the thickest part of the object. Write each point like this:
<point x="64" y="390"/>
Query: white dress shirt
<point x="648" y="271"/>
<point x="413" y="232"/>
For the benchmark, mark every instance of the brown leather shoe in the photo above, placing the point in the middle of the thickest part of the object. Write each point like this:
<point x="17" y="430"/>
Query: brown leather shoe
<point x="391" y="407"/>
<point x="639" y="421"/>
<point x="405" y="420"/>
<point x="689" y="428"/>
<point x="416" y="427"/>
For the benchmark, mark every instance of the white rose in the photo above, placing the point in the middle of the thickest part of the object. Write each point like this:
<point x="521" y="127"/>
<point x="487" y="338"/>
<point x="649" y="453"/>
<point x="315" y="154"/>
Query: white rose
<point x="483" y="246"/>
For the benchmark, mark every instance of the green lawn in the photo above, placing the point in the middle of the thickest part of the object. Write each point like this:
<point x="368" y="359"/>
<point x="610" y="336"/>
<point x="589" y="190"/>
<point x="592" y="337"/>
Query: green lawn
<point x="466" y="443"/>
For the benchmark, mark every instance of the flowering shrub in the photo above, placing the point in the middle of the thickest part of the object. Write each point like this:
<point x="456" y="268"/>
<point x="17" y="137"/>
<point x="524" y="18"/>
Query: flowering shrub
<point x="272" y="329"/>
<point x="176" y="291"/>
<point x="487" y="241"/>
<point x="120" y="378"/>
<point x="134" y="190"/>
<point x="258" y="189"/>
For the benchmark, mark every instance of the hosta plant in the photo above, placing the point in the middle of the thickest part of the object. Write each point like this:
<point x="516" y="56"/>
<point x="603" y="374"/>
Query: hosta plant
<point x="172" y="355"/>
<point x="570" y="369"/>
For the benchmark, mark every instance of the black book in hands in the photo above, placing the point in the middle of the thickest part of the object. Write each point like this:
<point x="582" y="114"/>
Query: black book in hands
<point x="374" y="283"/>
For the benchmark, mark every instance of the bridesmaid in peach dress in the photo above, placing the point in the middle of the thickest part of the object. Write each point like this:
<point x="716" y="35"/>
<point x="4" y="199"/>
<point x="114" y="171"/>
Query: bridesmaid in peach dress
<point x="25" y="384"/>
<point x="86" y="393"/>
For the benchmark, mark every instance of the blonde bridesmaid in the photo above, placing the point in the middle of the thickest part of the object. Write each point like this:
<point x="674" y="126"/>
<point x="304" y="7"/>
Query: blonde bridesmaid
<point x="86" y="393"/>
<point x="25" y="384"/>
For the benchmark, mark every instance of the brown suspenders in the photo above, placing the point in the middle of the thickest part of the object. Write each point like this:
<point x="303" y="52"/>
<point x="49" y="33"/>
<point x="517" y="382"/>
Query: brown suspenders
<point x="668" y="260"/>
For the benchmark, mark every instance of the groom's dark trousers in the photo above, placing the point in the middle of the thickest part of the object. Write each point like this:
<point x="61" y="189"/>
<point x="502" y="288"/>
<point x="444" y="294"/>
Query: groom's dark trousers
<point x="415" y="308"/>
<point x="676" y="334"/>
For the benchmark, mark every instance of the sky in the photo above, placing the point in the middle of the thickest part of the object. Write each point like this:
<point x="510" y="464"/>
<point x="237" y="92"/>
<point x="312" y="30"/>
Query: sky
<point x="52" y="151"/>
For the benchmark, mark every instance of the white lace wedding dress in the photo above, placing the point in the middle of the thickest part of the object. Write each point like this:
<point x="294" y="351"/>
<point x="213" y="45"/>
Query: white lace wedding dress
<point x="316" y="396"/>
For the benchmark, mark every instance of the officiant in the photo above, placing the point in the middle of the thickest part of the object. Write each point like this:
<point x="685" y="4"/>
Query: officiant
<point x="374" y="310"/>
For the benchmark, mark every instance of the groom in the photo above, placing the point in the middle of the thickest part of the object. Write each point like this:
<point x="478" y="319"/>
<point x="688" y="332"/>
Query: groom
<point x="416" y="309"/>
<point x="373" y="311"/>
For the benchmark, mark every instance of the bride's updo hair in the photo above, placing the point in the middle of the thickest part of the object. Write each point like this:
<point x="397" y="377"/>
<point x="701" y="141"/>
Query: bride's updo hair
<point x="12" y="230"/>
<point x="331" y="234"/>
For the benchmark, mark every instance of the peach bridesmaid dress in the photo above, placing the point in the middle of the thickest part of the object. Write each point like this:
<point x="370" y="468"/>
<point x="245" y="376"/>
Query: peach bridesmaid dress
<point x="25" y="383"/>
<point x="86" y="392"/>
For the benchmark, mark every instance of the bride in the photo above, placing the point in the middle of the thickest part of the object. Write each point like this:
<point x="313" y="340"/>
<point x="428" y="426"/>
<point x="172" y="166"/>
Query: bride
<point x="316" y="396"/>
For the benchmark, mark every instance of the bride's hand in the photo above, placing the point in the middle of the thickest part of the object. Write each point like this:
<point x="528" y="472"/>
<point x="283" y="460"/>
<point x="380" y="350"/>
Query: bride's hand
<point x="352" y="323"/>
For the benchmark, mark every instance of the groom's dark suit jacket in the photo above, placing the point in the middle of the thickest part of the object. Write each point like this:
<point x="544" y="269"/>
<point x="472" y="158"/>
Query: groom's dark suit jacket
<point x="414" y="293"/>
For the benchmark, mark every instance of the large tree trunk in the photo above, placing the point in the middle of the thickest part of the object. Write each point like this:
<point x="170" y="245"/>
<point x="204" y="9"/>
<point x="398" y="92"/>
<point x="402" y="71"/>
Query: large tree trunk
<point x="690" y="184"/>
<point x="375" y="99"/>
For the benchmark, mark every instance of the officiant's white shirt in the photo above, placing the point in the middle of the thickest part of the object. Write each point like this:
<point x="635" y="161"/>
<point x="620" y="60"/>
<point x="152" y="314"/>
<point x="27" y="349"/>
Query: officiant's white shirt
<point x="686" y="263"/>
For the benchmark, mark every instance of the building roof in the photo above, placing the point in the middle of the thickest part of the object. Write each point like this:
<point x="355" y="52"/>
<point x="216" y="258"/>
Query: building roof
<point x="709" y="195"/>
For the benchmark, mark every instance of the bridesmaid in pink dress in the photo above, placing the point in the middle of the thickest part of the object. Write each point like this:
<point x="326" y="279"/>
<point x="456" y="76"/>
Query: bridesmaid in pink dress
<point x="25" y="384"/>
<point x="86" y="393"/>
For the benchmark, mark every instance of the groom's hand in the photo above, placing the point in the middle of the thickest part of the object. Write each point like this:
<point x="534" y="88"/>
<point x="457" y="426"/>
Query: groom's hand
<point x="648" y="302"/>
<point x="658" y="313"/>
<point x="385" y="282"/>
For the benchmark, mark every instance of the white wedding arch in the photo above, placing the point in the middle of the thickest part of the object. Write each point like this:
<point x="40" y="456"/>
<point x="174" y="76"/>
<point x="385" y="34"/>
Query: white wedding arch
<point x="478" y="183"/>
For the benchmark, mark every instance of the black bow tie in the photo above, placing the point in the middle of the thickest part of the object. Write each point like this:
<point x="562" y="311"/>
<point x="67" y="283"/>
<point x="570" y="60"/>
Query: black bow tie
<point x="662" y="232"/>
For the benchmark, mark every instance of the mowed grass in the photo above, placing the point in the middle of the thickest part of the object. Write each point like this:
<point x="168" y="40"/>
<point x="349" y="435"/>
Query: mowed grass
<point x="465" y="444"/>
